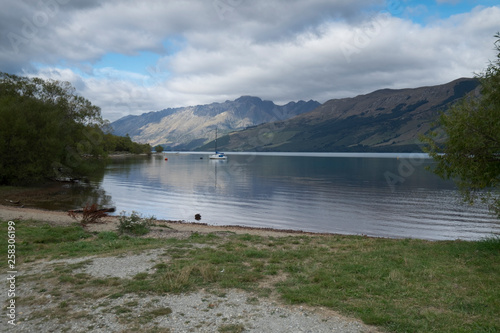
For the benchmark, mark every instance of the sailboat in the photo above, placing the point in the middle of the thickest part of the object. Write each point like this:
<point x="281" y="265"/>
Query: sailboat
<point x="217" y="155"/>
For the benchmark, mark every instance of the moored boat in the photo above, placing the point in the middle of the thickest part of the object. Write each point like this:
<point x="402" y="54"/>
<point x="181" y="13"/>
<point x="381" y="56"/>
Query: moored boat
<point x="217" y="155"/>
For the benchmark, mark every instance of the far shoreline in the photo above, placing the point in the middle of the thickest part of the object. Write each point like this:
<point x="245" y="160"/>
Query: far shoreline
<point x="420" y="155"/>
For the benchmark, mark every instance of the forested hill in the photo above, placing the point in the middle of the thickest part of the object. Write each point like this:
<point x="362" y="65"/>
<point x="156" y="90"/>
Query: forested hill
<point x="384" y="120"/>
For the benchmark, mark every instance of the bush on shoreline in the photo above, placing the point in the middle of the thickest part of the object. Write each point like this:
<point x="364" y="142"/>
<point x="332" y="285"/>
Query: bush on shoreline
<point x="134" y="224"/>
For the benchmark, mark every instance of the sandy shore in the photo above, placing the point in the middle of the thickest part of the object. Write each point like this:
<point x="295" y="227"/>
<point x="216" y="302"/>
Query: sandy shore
<point x="111" y="224"/>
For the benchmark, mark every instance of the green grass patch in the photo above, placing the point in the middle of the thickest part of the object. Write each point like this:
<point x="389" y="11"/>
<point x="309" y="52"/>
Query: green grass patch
<point x="231" y="328"/>
<point x="37" y="240"/>
<point x="158" y="312"/>
<point x="398" y="285"/>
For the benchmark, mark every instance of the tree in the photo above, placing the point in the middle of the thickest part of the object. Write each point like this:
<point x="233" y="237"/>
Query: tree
<point x="159" y="148"/>
<point x="470" y="151"/>
<point x="45" y="128"/>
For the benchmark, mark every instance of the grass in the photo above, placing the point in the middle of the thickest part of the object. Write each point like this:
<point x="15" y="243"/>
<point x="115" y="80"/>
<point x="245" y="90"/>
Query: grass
<point x="38" y="240"/>
<point x="397" y="285"/>
<point x="232" y="328"/>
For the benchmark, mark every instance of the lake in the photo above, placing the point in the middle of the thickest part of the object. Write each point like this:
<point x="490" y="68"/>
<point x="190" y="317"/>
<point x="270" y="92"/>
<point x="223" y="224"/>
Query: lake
<point x="383" y="195"/>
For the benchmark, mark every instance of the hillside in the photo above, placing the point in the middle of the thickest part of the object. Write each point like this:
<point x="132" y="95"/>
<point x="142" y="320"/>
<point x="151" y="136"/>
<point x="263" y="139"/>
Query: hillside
<point x="384" y="120"/>
<point x="186" y="128"/>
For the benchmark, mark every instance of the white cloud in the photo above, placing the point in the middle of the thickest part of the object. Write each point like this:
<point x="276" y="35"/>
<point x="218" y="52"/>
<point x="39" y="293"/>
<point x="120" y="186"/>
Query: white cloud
<point x="278" y="50"/>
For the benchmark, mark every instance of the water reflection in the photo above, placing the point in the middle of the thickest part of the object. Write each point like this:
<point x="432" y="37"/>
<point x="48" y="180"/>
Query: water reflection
<point x="350" y="195"/>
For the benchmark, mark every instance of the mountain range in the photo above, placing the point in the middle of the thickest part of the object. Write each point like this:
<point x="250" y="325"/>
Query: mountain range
<point x="186" y="128"/>
<point x="384" y="120"/>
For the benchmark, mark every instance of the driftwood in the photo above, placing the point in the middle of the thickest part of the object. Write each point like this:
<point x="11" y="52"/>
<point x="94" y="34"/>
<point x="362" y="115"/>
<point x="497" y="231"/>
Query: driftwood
<point x="102" y="210"/>
<point x="13" y="202"/>
<point x="68" y="180"/>
<point x="90" y="214"/>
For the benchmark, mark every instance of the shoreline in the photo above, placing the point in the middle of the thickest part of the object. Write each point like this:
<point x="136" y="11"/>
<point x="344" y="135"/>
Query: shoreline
<point x="110" y="223"/>
<point x="181" y="227"/>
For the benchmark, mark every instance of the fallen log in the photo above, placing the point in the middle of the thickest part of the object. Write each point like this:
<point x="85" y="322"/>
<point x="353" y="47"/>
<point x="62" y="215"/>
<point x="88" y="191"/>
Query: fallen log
<point x="13" y="202"/>
<point x="102" y="210"/>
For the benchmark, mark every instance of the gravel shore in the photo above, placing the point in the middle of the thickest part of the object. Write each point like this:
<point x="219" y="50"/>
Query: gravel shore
<point x="202" y="311"/>
<point x="111" y="223"/>
<point x="38" y="310"/>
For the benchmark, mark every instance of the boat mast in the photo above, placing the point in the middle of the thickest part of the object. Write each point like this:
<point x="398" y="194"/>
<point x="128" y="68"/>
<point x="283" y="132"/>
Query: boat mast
<point x="216" y="140"/>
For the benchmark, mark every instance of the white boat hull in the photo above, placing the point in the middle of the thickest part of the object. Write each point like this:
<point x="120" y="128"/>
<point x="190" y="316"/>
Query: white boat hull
<point x="217" y="157"/>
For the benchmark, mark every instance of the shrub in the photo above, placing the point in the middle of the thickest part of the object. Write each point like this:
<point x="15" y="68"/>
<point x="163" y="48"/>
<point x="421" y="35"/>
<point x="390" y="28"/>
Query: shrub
<point x="90" y="214"/>
<point x="135" y="224"/>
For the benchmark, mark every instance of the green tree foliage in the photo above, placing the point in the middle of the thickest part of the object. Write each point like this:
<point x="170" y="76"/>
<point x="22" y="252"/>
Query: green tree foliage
<point x="470" y="150"/>
<point x="44" y="126"/>
<point x="159" y="149"/>
<point x="120" y="144"/>
<point x="48" y="131"/>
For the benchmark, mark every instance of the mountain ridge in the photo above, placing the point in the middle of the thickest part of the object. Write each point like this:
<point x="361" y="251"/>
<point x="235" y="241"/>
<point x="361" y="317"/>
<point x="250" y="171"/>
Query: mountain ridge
<point x="383" y="120"/>
<point x="191" y="126"/>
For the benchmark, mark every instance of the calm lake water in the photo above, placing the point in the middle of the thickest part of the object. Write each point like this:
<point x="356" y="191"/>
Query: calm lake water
<point x="385" y="195"/>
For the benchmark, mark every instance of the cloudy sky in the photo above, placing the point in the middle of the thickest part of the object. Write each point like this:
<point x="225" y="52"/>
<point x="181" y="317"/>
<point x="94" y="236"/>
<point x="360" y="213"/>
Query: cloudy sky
<point x="130" y="57"/>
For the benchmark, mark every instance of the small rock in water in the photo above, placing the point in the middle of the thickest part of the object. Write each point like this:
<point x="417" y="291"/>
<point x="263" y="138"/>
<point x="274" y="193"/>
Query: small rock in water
<point x="197" y="217"/>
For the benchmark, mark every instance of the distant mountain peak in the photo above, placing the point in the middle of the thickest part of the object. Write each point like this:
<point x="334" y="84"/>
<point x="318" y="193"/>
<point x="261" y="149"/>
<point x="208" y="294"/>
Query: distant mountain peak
<point x="188" y="127"/>
<point x="248" y="98"/>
